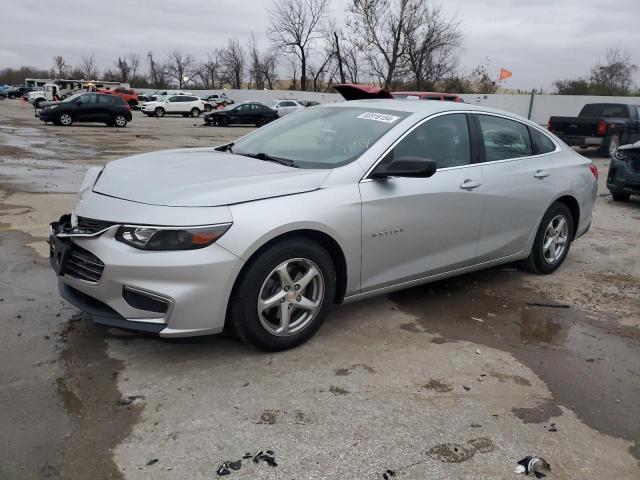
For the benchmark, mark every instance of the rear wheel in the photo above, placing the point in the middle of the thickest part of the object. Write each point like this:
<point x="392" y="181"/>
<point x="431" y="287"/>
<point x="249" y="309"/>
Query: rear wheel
<point x="610" y="145"/>
<point x="284" y="295"/>
<point x="159" y="112"/>
<point x="223" y="122"/>
<point x="65" y="119"/>
<point x="120" y="120"/>
<point x="39" y="102"/>
<point x="620" y="197"/>
<point x="552" y="241"/>
<point x="195" y="112"/>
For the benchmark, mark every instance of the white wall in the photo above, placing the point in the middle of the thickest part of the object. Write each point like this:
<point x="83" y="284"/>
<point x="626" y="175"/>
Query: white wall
<point x="544" y="106"/>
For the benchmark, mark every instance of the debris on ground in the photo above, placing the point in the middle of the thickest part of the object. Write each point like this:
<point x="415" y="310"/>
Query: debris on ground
<point x="124" y="401"/>
<point x="388" y="474"/>
<point x="553" y="428"/>
<point x="547" y="305"/>
<point x="477" y="319"/>
<point x="466" y="388"/>
<point x="478" y="352"/>
<point x="533" y="466"/>
<point x="152" y="461"/>
<point x="269" y="457"/>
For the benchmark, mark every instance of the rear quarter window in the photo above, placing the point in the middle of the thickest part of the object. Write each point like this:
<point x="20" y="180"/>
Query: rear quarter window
<point x="541" y="143"/>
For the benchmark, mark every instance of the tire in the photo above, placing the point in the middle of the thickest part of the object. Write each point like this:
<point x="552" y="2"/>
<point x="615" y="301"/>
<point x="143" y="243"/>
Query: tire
<point x="223" y="122"/>
<point x="298" y="257"/>
<point x="38" y="103"/>
<point x="195" y="112"/>
<point x="620" y="197"/>
<point x="207" y="108"/>
<point x="65" y="119"/>
<point x="261" y="122"/>
<point x="120" y="120"/>
<point x="159" y="112"/>
<point x="539" y="261"/>
<point x="11" y="96"/>
<point x="610" y="145"/>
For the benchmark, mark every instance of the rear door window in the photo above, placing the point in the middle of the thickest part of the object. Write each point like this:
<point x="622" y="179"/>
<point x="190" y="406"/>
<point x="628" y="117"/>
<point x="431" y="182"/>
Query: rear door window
<point x="504" y="139"/>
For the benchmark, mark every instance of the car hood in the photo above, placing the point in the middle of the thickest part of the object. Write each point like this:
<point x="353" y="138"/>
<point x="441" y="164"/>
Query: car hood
<point x="202" y="177"/>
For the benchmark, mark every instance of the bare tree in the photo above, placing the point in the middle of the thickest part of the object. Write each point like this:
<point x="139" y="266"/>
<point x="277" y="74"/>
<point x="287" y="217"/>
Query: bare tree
<point x="179" y="66"/>
<point x="615" y="75"/>
<point x="133" y="59"/>
<point x="431" y="43"/>
<point x="294" y="26"/>
<point x="157" y="72"/>
<point x="269" y="68"/>
<point x="60" y="67"/>
<point x="122" y="69"/>
<point x="88" y="67"/>
<point x="233" y="63"/>
<point x="255" y="64"/>
<point x="352" y="60"/>
<point x="379" y="27"/>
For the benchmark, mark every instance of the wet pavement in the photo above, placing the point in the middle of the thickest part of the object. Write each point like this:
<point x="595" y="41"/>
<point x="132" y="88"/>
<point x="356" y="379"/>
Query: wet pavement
<point x="456" y="379"/>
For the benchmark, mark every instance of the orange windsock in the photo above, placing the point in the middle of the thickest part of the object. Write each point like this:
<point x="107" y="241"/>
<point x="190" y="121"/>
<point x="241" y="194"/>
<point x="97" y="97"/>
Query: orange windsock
<point x="504" y="74"/>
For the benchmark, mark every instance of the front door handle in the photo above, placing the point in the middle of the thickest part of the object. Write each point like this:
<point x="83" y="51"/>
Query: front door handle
<point x="541" y="174"/>
<point x="469" y="184"/>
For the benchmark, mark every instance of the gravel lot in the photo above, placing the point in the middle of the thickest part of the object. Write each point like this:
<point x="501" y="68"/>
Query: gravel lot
<point x="457" y="379"/>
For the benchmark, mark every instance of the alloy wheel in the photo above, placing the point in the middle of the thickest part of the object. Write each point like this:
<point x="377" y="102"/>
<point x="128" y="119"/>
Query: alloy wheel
<point x="121" y="121"/>
<point x="556" y="238"/>
<point x="65" y="119"/>
<point x="290" y="297"/>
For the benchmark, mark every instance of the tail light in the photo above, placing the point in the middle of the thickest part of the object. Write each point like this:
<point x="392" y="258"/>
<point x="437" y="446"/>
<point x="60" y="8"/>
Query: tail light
<point x="594" y="170"/>
<point x="549" y="126"/>
<point x="602" y="128"/>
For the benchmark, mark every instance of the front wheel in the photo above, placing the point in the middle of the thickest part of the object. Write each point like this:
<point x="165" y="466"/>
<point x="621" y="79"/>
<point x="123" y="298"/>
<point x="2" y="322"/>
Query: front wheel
<point x="552" y="241"/>
<point x="284" y="295"/>
<point x="65" y="119"/>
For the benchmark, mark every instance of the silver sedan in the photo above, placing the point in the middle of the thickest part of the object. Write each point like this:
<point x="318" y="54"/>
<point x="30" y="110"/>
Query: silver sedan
<point x="332" y="204"/>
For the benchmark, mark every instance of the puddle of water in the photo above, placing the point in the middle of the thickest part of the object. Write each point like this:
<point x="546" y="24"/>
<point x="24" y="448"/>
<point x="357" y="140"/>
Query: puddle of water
<point x="591" y="369"/>
<point x="34" y="160"/>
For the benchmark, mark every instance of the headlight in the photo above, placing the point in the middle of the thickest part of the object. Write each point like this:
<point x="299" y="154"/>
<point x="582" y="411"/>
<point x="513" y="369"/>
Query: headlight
<point x="168" y="238"/>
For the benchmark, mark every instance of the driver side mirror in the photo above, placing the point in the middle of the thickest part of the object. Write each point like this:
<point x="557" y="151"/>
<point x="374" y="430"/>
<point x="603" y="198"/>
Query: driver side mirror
<point x="412" y="167"/>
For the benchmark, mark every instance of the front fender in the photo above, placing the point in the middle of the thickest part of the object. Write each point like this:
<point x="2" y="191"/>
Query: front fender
<point x="334" y="211"/>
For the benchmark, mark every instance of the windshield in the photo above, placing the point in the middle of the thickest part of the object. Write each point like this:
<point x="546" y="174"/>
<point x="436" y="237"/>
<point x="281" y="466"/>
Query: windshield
<point x="74" y="97"/>
<point x="323" y="137"/>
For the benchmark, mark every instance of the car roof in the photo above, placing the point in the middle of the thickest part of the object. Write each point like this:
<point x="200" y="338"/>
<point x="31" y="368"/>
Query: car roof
<point x="424" y="108"/>
<point x="423" y="93"/>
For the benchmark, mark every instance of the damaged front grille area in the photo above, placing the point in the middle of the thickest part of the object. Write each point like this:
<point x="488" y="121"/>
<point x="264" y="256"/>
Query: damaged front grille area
<point x="83" y="265"/>
<point x="90" y="226"/>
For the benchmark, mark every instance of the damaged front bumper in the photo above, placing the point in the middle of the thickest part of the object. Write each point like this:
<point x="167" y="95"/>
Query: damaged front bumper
<point x="170" y="293"/>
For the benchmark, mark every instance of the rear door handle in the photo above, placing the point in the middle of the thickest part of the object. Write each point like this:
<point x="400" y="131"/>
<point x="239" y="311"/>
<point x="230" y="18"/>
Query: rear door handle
<point x="541" y="174"/>
<point x="469" y="184"/>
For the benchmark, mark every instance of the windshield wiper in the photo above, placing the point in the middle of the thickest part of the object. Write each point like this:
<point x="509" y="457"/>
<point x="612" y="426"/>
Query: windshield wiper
<point x="268" y="158"/>
<point x="225" y="148"/>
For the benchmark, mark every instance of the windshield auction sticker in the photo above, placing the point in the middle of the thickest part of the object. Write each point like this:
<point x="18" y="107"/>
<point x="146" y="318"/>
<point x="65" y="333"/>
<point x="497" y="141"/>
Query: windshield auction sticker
<point x="378" y="117"/>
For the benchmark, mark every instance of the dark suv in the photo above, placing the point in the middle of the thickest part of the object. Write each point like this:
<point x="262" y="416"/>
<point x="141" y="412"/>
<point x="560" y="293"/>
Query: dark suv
<point x="623" y="179"/>
<point x="88" y="107"/>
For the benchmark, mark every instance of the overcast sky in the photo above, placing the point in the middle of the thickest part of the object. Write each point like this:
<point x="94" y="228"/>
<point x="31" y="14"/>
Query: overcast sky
<point x="538" y="40"/>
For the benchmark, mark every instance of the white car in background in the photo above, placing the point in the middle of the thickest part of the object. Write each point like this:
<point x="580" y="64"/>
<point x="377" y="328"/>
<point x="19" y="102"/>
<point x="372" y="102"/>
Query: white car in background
<point x="285" y="107"/>
<point x="185" y="105"/>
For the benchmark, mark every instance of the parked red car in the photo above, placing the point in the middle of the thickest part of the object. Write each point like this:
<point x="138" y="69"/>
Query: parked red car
<point x="130" y="96"/>
<point x="360" y="92"/>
